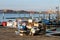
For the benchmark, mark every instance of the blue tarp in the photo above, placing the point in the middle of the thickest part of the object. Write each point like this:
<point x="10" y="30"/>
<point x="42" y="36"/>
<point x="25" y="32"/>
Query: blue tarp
<point x="46" y="21"/>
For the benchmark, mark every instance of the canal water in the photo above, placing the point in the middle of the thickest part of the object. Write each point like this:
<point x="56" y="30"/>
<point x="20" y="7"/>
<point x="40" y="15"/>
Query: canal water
<point x="16" y="15"/>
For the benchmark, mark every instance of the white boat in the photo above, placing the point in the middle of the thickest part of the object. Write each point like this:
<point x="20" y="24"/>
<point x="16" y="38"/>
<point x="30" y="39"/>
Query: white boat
<point x="53" y="32"/>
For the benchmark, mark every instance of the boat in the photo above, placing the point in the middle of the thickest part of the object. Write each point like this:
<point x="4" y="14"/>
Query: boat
<point x="53" y="32"/>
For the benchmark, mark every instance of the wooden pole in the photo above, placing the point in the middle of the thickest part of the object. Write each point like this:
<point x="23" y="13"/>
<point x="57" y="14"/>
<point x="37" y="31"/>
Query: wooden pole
<point x="3" y="16"/>
<point x="44" y="27"/>
<point x="57" y="15"/>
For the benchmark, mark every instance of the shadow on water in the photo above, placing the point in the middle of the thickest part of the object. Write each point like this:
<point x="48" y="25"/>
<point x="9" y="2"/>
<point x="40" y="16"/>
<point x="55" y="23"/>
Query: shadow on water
<point x="56" y="34"/>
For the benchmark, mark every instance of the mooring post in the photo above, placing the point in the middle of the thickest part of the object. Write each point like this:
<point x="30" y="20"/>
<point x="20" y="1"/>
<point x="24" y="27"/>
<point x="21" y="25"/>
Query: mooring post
<point x="44" y="28"/>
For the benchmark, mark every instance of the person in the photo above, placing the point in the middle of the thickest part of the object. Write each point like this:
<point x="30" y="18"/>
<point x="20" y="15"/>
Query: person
<point x="24" y="26"/>
<point x="19" y="27"/>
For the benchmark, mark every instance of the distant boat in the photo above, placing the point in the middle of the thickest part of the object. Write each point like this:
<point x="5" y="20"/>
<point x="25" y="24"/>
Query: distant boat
<point x="11" y="18"/>
<point x="19" y="17"/>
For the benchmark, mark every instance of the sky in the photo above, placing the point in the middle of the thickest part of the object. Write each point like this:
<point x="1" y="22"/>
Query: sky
<point x="36" y="5"/>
